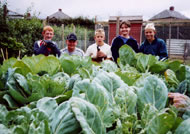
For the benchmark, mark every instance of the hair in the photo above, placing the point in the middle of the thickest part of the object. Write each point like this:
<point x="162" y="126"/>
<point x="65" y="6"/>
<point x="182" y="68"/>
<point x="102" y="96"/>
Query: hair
<point x="47" y="28"/>
<point x="150" y="26"/>
<point x="100" y="30"/>
<point x="126" y="22"/>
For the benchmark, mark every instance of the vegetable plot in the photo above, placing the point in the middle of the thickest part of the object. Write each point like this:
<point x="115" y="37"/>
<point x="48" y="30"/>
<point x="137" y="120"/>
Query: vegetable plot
<point x="71" y="95"/>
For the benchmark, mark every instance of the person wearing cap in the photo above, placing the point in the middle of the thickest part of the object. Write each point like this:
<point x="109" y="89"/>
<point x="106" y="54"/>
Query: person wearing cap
<point x="71" y="48"/>
<point x="152" y="44"/>
<point x="123" y="39"/>
<point x="46" y="46"/>
<point x="99" y="51"/>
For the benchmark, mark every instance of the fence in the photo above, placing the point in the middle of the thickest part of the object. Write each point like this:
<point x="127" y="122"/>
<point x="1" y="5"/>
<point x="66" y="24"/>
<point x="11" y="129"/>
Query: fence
<point x="85" y="37"/>
<point x="82" y="44"/>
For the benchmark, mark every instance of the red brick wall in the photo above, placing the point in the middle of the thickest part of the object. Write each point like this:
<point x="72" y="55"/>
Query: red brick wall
<point x="112" y="32"/>
<point x="135" y="31"/>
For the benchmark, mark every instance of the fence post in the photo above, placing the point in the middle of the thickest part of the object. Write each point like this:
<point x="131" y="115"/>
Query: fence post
<point x="4" y="12"/>
<point x="74" y="29"/>
<point x="117" y="26"/>
<point x="169" y="39"/>
<point x="85" y="33"/>
<point x="62" y="26"/>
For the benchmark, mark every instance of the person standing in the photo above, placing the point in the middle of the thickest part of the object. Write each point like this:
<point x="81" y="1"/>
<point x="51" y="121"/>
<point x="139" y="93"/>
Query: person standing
<point x="152" y="44"/>
<point x="71" y="48"/>
<point x="46" y="46"/>
<point x="122" y="39"/>
<point x="99" y="51"/>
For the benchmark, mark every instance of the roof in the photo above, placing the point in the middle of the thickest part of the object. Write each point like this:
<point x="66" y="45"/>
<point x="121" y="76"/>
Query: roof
<point x="59" y="15"/>
<point x="14" y="15"/>
<point x="130" y="18"/>
<point x="169" y="14"/>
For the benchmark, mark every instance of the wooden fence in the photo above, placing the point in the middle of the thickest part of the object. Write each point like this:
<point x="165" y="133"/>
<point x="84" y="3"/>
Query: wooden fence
<point x="178" y="48"/>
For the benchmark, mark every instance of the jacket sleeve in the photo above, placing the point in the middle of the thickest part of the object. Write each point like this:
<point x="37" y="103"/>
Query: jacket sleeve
<point x="163" y="50"/>
<point x="141" y="49"/>
<point x="116" y="44"/>
<point x="39" y="50"/>
<point x="136" y="47"/>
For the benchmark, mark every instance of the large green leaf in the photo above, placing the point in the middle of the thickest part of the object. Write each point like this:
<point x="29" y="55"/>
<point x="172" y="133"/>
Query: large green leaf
<point x="68" y="66"/>
<point x="159" y="67"/>
<point x="47" y="105"/>
<point x="39" y="128"/>
<point x="4" y="129"/>
<point x="161" y="123"/>
<point x="23" y="68"/>
<point x="126" y="99"/>
<point x="63" y="121"/>
<point x="97" y="95"/>
<point x="183" y="127"/>
<point x="49" y="64"/>
<point x="8" y="64"/>
<point x="129" y="76"/>
<point x="174" y="65"/>
<point x="32" y="61"/>
<point x="3" y="113"/>
<point x="154" y="92"/>
<point x="127" y="55"/>
<point x="144" y="62"/>
<point x="109" y="66"/>
<point x="88" y="116"/>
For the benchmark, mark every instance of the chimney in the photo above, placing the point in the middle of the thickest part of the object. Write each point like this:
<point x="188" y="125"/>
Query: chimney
<point x="28" y="15"/>
<point x="172" y="8"/>
<point x="60" y="10"/>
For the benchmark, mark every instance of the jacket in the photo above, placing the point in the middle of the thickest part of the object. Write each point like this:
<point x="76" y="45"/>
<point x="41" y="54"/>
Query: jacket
<point x="118" y="42"/>
<point x="156" y="48"/>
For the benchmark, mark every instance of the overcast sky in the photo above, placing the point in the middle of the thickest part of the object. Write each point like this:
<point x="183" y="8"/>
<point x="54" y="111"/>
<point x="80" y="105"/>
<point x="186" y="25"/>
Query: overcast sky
<point x="100" y="8"/>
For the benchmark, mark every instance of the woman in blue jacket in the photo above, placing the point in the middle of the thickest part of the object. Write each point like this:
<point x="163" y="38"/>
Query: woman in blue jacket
<point x="152" y="44"/>
<point x="123" y="38"/>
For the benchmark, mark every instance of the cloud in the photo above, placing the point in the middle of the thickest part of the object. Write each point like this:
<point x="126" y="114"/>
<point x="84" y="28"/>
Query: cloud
<point x="101" y="8"/>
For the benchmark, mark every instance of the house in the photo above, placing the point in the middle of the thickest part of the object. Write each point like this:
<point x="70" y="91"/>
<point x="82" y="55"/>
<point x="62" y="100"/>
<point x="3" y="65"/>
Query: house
<point x="14" y="15"/>
<point x="59" y="15"/>
<point x="136" y="26"/>
<point x="174" y="28"/>
<point x="11" y="14"/>
<point x="168" y="15"/>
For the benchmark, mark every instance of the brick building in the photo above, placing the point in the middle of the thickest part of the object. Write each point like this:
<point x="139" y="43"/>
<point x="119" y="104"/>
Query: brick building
<point x="136" y="26"/>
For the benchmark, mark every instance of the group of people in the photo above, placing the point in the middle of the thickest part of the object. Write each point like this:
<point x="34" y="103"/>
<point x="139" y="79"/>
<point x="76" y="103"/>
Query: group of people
<point x="100" y="51"/>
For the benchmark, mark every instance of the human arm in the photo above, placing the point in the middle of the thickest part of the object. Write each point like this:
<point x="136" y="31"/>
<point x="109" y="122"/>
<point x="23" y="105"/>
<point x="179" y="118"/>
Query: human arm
<point x="162" y="50"/>
<point x="39" y="49"/>
<point x="133" y="44"/>
<point x="116" y="44"/>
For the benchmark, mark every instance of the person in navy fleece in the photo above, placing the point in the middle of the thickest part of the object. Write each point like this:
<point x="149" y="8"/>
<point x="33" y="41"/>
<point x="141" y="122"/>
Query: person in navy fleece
<point x="46" y="46"/>
<point x="152" y="44"/>
<point x="123" y="39"/>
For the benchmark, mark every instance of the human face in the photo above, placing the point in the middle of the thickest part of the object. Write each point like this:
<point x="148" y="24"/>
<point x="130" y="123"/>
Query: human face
<point x="149" y="34"/>
<point x="48" y="35"/>
<point x="124" y="30"/>
<point x="99" y="38"/>
<point x="71" y="44"/>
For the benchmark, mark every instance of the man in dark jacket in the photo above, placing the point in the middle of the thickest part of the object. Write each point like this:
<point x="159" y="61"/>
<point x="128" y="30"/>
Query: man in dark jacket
<point x="46" y="46"/>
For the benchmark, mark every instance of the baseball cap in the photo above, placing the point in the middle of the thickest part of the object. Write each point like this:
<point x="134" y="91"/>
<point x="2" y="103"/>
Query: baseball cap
<point x="72" y="36"/>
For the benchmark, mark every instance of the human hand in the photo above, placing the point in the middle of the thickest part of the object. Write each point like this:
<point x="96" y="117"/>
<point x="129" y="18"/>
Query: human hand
<point x="180" y="100"/>
<point x="49" y="43"/>
<point x="100" y="54"/>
